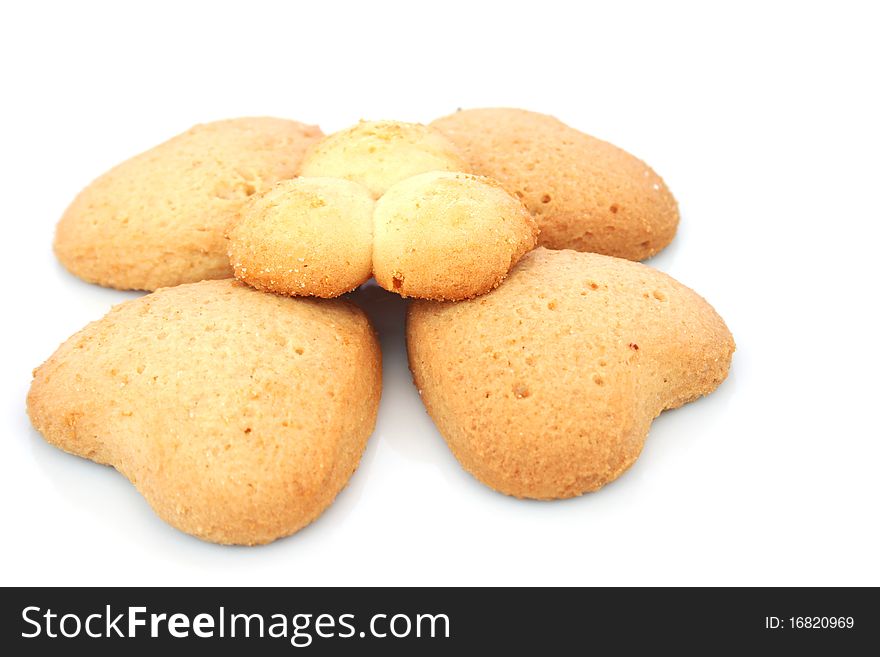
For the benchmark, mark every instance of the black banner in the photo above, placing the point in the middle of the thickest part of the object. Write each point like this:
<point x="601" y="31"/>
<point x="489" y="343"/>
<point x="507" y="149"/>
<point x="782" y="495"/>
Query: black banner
<point x="436" y="621"/>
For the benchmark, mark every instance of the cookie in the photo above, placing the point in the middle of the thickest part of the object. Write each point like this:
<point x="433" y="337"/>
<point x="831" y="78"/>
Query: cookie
<point x="449" y="236"/>
<point x="378" y="154"/>
<point x="436" y="235"/>
<point x="547" y="386"/>
<point x="238" y="415"/>
<point x="159" y="218"/>
<point x="586" y="194"/>
<point x="305" y="237"/>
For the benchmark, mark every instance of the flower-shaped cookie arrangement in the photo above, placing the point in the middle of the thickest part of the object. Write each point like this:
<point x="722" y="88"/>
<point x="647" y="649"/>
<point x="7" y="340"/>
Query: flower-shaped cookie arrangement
<point x="240" y="408"/>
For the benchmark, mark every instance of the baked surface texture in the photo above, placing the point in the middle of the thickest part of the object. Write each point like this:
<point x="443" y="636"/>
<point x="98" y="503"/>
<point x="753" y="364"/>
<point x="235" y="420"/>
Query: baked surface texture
<point x="159" y="219"/>
<point x="586" y="194"/>
<point x="238" y="415"/>
<point x="547" y="386"/>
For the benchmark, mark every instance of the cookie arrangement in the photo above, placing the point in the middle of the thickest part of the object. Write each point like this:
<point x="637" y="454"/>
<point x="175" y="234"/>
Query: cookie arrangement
<point x="239" y="395"/>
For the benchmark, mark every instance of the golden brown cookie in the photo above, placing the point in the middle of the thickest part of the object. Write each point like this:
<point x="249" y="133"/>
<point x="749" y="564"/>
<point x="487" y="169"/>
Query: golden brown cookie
<point x="378" y="154"/>
<point x="546" y="387"/>
<point x="586" y="194"/>
<point x="437" y="235"/>
<point x="238" y="415"/>
<point x="305" y="237"/>
<point x="448" y="236"/>
<point x="159" y="218"/>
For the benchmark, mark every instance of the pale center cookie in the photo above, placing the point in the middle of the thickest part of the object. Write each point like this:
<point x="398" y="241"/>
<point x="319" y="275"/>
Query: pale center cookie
<point x="307" y="236"/>
<point x="378" y="154"/>
<point x="433" y="233"/>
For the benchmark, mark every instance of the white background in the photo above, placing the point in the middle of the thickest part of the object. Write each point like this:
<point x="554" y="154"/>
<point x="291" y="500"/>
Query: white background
<point x="763" y="119"/>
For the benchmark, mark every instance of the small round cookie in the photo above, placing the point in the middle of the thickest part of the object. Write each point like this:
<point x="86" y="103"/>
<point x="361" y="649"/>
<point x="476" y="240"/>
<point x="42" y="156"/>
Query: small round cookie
<point x="586" y="194"/>
<point x="378" y="154"/>
<point x="159" y="218"/>
<point x="546" y="387"/>
<point x="305" y="237"/>
<point x="448" y="236"/>
<point x="238" y="415"/>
